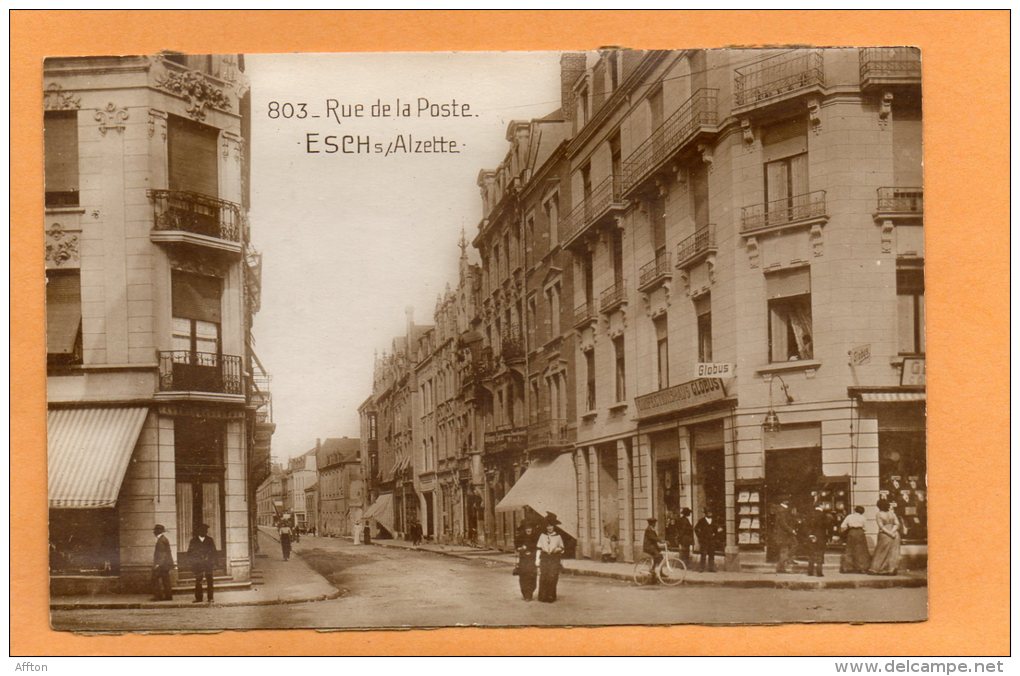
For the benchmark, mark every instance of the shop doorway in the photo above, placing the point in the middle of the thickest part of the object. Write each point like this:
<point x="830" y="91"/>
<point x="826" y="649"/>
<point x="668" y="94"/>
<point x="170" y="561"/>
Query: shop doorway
<point x="199" y="466"/>
<point x="791" y="473"/>
<point x="710" y="482"/>
<point x="430" y="529"/>
<point x="609" y="506"/>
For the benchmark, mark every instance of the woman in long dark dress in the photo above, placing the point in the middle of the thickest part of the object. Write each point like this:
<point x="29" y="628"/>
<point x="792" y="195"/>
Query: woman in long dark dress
<point x="526" y="543"/>
<point x="550" y="548"/>
<point x="856" y="557"/>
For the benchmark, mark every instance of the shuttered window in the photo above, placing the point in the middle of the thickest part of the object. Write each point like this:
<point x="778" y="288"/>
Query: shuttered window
<point x="63" y="312"/>
<point x="61" y="150"/>
<point x="192" y="156"/>
<point x="196" y="296"/>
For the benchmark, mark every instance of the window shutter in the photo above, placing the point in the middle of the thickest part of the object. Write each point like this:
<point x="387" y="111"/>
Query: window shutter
<point x="61" y="153"/>
<point x="196" y="296"/>
<point x="784" y="139"/>
<point x="787" y="283"/>
<point x="193" y="161"/>
<point x="63" y="310"/>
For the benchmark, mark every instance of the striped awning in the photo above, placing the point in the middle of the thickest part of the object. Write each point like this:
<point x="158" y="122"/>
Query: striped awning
<point x="548" y="485"/>
<point x="88" y="453"/>
<point x="891" y="397"/>
<point x="382" y="511"/>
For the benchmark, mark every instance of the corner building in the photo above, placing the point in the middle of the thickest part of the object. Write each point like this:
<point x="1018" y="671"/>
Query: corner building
<point x="759" y="212"/>
<point x="155" y="414"/>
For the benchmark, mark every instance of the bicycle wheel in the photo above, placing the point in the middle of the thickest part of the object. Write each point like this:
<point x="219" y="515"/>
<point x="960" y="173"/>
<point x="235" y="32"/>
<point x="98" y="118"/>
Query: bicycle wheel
<point x="643" y="571"/>
<point x="672" y="571"/>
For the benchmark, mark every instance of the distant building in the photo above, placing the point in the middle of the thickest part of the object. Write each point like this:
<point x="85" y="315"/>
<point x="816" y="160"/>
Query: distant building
<point x="312" y="508"/>
<point x="340" y="486"/>
<point x="269" y="498"/>
<point x="300" y="474"/>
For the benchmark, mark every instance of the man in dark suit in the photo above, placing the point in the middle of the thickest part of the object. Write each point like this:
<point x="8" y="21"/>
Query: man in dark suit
<point x="162" y="562"/>
<point x="685" y="531"/>
<point x="650" y="546"/>
<point x="785" y="535"/>
<point x="202" y="553"/>
<point x="710" y="534"/>
<point x="817" y="530"/>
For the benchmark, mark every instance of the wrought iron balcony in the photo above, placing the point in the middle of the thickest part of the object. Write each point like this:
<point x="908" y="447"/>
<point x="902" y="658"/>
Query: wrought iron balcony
<point x="584" y="313"/>
<point x="884" y="66"/>
<point x="901" y="201"/>
<point x="613" y="297"/>
<point x="791" y="210"/>
<point x="550" y="433"/>
<point x="511" y="345"/>
<point x="691" y="249"/>
<point x="605" y="198"/>
<point x="776" y="77"/>
<point x="506" y="438"/>
<point x="655" y="271"/>
<point x="672" y="136"/>
<point x="186" y="371"/>
<point x="196" y="214"/>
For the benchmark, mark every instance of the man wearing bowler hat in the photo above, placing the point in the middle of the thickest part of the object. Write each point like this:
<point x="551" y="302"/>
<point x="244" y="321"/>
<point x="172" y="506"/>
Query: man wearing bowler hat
<point x="202" y="552"/>
<point x="162" y="562"/>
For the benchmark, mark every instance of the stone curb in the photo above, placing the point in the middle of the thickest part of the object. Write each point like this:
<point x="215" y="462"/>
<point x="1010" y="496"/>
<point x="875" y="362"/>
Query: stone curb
<point x="764" y="582"/>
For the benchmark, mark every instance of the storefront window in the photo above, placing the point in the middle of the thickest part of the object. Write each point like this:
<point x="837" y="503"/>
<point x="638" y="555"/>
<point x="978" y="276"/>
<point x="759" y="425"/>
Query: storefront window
<point x="84" y="542"/>
<point x="902" y="475"/>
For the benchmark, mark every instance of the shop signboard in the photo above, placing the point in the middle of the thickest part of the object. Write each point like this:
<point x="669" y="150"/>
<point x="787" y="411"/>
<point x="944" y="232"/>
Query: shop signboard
<point x="716" y="370"/>
<point x="860" y="354"/>
<point x="913" y="371"/>
<point x="687" y="395"/>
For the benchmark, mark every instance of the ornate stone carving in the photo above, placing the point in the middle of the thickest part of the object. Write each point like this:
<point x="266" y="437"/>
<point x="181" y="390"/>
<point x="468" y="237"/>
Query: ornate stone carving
<point x="752" y="251"/>
<point x="747" y="132"/>
<point x="707" y="157"/>
<point x="61" y="247"/>
<point x="814" y="108"/>
<point x="816" y="240"/>
<point x="199" y="262"/>
<point x="888" y="232"/>
<point x="55" y="98"/>
<point x="194" y="88"/>
<point x="157" y="122"/>
<point x="111" y="117"/>
<point x="885" y="109"/>
<point x="685" y="279"/>
<point x="710" y="266"/>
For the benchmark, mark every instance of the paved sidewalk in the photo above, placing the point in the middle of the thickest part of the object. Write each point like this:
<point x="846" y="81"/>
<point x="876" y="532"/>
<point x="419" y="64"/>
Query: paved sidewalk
<point x="282" y="582"/>
<point x="625" y="571"/>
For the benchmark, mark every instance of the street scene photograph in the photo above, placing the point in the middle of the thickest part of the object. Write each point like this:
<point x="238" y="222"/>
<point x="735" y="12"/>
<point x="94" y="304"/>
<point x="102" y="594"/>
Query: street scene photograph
<point x="398" y="340"/>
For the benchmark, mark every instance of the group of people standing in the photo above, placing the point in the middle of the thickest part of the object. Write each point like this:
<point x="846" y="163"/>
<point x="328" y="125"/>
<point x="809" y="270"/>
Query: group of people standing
<point x="813" y="532"/>
<point x="201" y="555"/>
<point x="680" y="535"/>
<point x="538" y="558"/>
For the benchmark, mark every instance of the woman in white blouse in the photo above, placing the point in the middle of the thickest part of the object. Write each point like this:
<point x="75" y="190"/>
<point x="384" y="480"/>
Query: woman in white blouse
<point x="550" y="549"/>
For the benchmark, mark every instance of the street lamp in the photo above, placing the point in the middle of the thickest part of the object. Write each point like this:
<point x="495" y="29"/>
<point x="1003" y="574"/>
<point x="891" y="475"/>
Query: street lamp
<point x="771" y="423"/>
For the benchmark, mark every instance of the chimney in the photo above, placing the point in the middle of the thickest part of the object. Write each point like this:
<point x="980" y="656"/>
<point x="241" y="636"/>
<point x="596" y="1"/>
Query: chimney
<point x="409" y="311"/>
<point x="572" y="64"/>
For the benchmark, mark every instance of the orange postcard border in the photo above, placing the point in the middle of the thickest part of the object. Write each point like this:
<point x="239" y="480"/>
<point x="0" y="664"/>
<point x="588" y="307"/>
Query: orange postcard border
<point x="966" y="135"/>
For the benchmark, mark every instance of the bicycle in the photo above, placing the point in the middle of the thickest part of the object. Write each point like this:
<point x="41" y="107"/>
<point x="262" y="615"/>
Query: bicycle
<point x="671" y="570"/>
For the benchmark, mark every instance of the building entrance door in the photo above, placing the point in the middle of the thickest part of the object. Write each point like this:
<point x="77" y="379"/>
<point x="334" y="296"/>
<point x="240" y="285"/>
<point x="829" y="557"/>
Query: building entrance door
<point x="710" y="483"/>
<point x="790" y="473"/>
<point x="430" y="530"/>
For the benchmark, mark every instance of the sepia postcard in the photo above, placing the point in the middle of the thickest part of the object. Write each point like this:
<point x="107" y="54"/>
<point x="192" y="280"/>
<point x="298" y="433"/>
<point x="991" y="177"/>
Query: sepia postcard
<point x="409" y="340"/>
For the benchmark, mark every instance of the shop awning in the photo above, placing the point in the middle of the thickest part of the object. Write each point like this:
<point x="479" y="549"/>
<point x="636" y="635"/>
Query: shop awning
<point x="891" y="397"/>
<point x="382" y="511"/>
<point x="547" y="486"/>
<point x="88" y="453"/>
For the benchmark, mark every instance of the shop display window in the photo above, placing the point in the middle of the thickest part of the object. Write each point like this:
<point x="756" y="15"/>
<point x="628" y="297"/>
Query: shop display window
<point x="750" y="515"/>
<point x="903" y="480"/>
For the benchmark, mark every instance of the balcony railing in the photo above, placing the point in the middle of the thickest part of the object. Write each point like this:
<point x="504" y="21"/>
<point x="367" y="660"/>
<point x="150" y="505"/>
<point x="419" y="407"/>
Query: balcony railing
<point x="701" y="242"/>
<point x="883" y="64"/>
<point x="511" y="345"/>
<point x="613" y="297"/>
<point x="584" y="313"/>
<point x="592" y="207"/>
<point x="784" y="211"/>
<point x="671" y="136"/>
<point x="196" y="213"/>
<point x="769" y="79"/>
<point x="549" y="433"/>
<point x="656" y="270"/>
<point x="901" y="201"/>
<point x="185" y="371"/>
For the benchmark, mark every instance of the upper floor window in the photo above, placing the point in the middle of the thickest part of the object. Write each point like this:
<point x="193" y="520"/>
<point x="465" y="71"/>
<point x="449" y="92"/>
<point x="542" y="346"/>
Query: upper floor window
<point x="61" y="157"/>
<point x="552" y="295"/>
<point x="589" y="363"/>
<point x="789" y="308"/>
<point x="529" y="236"/>
<point x="910" y="310"/>
<point x="192" y="157"/>
<point x="620" y="369"/>
<point x="703" y="310"/>
<point x="662" y="351"/>
<point x="552" y="217"/>
<point x="784" y="152"/>
<point x="196" y="315"/>
<point x="63" y="317"/>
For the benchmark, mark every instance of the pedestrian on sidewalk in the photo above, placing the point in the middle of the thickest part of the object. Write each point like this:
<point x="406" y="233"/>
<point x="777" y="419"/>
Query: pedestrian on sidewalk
<point x="285" y="535"/>
<point x="709" y="532"/>
<point x="685" y="535"/>
<point x="887" y="550"/>
<point x="162" y="563"/>
<point x="526" y="544"/>
<point x="817" y="530"/>
<point x="785" y="535"/>
<point x="856" y="557"/>
<point x="202" y="554"/>
<point x="416" y="532"/>
<point x="550" y="546"/>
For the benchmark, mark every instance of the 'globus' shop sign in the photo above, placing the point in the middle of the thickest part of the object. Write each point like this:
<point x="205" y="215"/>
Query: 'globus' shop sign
<point x="680" y="397"/>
